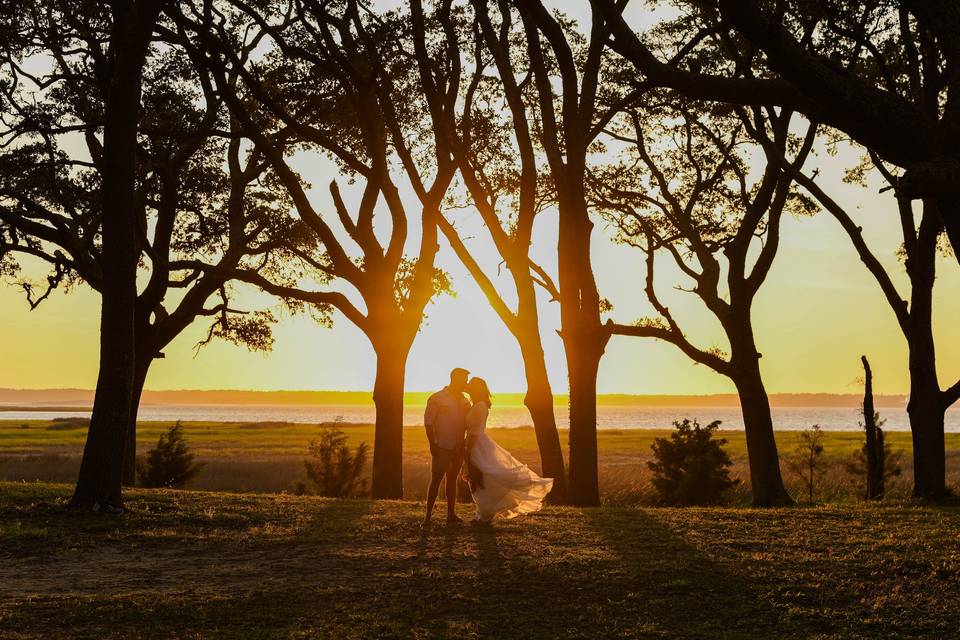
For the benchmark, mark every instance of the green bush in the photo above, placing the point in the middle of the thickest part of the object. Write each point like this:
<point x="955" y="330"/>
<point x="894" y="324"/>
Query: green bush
<point x="170" y="463"/>
<point x="334" y="470"/>
<point x="691" y="468"/>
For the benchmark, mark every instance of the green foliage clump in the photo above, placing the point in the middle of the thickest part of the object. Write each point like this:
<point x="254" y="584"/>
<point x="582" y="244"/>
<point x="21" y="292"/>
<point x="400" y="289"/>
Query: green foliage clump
<point x="170" y="463"/>
<point x="889" y="460"/>
<point x="333" y="469"/>
<point x="691" y="468"/>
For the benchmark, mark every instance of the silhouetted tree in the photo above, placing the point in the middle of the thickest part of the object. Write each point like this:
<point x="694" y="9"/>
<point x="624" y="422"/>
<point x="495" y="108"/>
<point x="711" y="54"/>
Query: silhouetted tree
<point x="569" y="103"/>
<point x="197" y="193"/>
<point x="113" y="40"/>
<point x="880" y="72"/>
<point x="919" y="253"/>
<point x="685" y="190"/>
<point x="340" y="79"/>
<point x="495" y="151"/>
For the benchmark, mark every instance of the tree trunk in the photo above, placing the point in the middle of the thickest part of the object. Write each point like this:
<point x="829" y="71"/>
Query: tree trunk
<point x="926" y="413"/>
<point x="388" y="434"/>
<point x="129" y="478"/>
<point x="99" y="480"/>
<point x="583" y="363"/>
<point x="765" y="478"/>
<point x="539" y="401"/>
<point x="874" y="444"/>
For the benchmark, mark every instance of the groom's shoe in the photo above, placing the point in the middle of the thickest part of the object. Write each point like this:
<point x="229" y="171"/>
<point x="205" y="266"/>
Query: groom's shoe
<point x="454" y="520"/>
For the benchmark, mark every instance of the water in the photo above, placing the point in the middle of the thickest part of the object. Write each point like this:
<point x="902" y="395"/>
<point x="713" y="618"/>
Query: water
<point x="608" y="417"/>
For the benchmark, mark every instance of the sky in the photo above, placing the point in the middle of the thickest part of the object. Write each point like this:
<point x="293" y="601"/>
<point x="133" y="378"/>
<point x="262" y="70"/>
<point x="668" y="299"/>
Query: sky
<point x="819" y="311"/>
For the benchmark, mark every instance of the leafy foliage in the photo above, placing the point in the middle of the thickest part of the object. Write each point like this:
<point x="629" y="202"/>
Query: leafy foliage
<point x="332" y="468"/>
<point x="170" y="463"/>
<point x="691" y="468"/>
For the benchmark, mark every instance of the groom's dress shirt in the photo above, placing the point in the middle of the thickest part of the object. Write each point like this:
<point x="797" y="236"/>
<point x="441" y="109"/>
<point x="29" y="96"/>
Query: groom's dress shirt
<point x="446" y="412"/>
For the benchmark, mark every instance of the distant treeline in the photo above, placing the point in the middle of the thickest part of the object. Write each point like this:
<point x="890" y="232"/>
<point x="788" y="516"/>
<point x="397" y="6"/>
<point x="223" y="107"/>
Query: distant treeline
<point x="218" y="397"/>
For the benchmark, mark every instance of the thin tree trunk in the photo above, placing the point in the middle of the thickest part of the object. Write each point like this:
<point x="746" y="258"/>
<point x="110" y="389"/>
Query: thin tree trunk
<point x="765" y="479"/>
<point x="874" y="444"/>
<point x="130" y="446"/>
<point x="101" y="470"/>
<point x="539" y="401"/>
<point x="388" y="434"/>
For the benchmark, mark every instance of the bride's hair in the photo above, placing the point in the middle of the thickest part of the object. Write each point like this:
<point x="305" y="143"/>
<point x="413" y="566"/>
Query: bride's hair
<point x="478" y="390"/>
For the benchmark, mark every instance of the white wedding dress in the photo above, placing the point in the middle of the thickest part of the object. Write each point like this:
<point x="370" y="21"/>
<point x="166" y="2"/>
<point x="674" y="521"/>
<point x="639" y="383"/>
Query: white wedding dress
<point x="510" y="488"/>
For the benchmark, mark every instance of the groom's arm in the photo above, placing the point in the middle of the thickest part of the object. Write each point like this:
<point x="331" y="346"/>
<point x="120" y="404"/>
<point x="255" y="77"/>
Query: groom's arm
<point x="429" y="422"/>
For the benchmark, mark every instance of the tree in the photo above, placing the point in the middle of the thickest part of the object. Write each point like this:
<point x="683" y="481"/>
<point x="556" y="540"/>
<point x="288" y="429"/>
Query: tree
<point x="115" y="41"/>
<point x="334" y="470"/>
<point x="571" y="106"/>
<point x="880" y="72"/>
<point x="919" y="251"/>
<point x="684" y="190"/>
<point x="691" y="468"/>
<point x="340" y="80"/>
<point x="805" y="460"/>
<point x="170" y="464"/>
<point x="198" y="192"/>
<point x="495" y="152"/>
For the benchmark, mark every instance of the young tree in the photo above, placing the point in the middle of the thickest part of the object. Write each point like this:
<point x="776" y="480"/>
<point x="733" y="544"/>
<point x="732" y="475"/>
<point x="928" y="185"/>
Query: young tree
<point x="198" y="192"/>
<point x="691" y="468"/>
<point x="340" y="78"/>
<point x="805" y="459"/>
<point x="685" y="190"/>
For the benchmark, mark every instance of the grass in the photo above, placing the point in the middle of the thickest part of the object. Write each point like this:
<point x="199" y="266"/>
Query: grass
<point x="268" y="456"/>
<point x="200" y="565"/>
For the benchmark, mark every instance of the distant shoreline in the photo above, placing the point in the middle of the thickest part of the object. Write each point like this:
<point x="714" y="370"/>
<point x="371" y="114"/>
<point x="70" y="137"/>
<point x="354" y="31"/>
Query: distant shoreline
<point x="81" y="399"/>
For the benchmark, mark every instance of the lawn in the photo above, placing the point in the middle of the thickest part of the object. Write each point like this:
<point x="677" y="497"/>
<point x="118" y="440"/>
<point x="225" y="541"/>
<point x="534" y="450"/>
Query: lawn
<point x="186" y="564"/>
<point x="268" y="456"/>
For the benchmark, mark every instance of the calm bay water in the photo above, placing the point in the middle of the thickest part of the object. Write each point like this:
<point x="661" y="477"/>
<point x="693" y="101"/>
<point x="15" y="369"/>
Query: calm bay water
<point x="609" y="417"/>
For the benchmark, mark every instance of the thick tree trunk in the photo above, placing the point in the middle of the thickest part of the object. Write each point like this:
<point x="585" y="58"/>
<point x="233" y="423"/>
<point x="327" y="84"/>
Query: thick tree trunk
<point x="129" y="478"/>
<point x="99" y="480"/>
<point x="926" y="413"/>
<point x="388" y="435"/>
<point x="539" y="401"/>
<point x="584" y="338"/>
<point x="765" y="479"/>
<point x="583" y="363"/>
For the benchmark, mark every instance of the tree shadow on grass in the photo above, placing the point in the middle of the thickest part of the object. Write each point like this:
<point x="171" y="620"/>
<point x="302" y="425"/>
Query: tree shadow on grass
<point x="671" y="589"/>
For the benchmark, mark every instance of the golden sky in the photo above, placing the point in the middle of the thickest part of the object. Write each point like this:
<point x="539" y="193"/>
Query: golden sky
<point x="817" y="313"/>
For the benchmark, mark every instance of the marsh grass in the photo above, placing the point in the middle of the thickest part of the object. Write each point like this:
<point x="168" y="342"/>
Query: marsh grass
<point x="268" y="457"/>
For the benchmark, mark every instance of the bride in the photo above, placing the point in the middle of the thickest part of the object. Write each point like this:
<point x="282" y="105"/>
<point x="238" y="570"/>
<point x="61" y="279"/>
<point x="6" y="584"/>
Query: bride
<point x="501" y="485"/>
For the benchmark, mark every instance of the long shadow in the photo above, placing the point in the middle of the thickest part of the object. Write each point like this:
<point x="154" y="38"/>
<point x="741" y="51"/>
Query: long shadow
<point x="671" y="589"/>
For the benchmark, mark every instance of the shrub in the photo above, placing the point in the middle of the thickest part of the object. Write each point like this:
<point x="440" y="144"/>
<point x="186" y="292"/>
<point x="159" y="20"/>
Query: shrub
<point x="805" y="461"/>
<point x="691" y="468"/>
<point x="332" y="468"/>
<point x="170" y="463"/>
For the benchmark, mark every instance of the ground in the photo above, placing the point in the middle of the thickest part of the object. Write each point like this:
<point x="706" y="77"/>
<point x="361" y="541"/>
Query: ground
<point x="198" y="565"/>
<point x="268" y="456"/>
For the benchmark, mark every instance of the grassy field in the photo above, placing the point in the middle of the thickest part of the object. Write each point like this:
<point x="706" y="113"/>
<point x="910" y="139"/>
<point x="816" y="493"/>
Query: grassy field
<point x="184" y="564"/>
<point x="267" y="456"/>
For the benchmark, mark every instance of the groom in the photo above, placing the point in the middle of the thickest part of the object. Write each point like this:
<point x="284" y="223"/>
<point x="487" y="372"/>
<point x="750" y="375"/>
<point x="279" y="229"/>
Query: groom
<point x="445" y="422"/>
